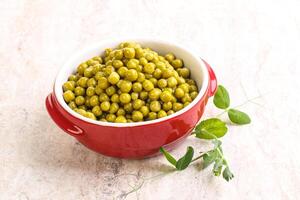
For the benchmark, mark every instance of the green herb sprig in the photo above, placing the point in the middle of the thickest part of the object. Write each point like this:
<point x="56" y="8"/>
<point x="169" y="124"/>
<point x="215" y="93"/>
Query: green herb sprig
<point x="212" y="129"/>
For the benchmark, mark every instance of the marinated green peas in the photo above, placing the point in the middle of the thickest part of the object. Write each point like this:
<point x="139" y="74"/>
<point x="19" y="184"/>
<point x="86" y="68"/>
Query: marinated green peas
<point x="130" y="84"/>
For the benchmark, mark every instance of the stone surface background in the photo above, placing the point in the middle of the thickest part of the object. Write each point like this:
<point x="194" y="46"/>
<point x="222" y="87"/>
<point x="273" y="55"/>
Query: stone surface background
<point x="253" y="46"/>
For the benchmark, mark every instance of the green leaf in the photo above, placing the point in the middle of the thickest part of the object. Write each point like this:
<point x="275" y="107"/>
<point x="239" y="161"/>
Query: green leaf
<point x="210" y="157"/>
<point x="238" y="117"/>
<point x="221" y="98"/>
<point x="227" y="174"/>
<point x="168" y="156"/>
<point x="210" y="129"/>
<point x="218" y="167"/>
<point x="184" y="162"/>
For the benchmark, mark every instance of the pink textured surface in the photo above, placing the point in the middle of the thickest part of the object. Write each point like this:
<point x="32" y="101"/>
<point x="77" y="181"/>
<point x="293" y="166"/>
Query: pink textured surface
<point x="253" y="47"/>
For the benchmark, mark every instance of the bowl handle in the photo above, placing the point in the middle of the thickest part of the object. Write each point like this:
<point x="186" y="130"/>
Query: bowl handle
<point x="213" y="85"/>
<point x="60" y="120"/>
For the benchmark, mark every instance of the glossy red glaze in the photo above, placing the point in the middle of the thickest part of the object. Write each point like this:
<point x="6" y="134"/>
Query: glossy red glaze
<point x="131" y="142"/>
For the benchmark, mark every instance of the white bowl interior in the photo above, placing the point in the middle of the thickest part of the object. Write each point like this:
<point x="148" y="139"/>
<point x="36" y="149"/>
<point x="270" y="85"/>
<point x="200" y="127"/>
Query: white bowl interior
<point x="191" y="60"/>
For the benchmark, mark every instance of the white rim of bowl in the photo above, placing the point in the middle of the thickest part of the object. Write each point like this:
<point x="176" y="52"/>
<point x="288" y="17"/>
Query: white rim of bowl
<point x="201" y="93"/>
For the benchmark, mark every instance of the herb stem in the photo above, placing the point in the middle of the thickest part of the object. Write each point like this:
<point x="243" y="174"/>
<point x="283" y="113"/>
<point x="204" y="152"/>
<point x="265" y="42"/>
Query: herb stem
<point x="197" y="158"/>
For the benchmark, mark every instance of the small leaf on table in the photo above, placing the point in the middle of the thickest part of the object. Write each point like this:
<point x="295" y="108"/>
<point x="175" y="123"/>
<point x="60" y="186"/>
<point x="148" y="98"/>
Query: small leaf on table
<point x="184" y="162"/>
<point x="221" y="98"/>
<point x="227" y="174"/>
<point x="210" y="129"/>
<point x="168" y="156"/>
<point x="238" y="117"/>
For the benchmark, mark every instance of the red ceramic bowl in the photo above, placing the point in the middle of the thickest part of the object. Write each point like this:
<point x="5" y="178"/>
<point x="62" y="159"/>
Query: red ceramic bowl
<point x="139" y="139"/>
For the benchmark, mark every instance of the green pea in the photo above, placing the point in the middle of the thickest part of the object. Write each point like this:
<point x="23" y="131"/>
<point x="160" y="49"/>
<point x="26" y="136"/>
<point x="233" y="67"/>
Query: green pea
<point x="149" y="56"/>
<point x="110" y="90"/>
<point x="132" y="63"/>
<point x="90" y="91"/>
<point x="113" y="78"/>
<point x="157" y="73"/>
<point x="83" y="107"/>
<point x="98" y="75"/>
<point x="193" y="95"/>
<point x="154" y="94"/>
<point x="92" y="62"/>
<point x="98" y="58"/>
<point x="137" y="87"/>
<point x="141" y="77"/>
<point x="172" y="82"/>
<point x="115" y="98"/>
<point x="125" y="86"/>
<point x="139" y="52"/>
<point x="79" y="91"/>
<point x="180" y="80"/>
<point x="193" y="88"/>
<point x="137" y="116"/>
<point x="143" y="61"/>
<point x="91" y="82"/>
<point x="167" y="106"/>
<point x="177" y="63"/>
<point x="166" y="96"/>
<point x="122" y="71"/>
<point x="184" y="72"/>
<point x="185" y="87"/>
<point x="111" y="117"/>
<point x="94" y="101"/>
<point x="121" y="119"/>
<point x="81" y="68"/>
<point x="80" y="100"/>
<point x="179" y="93"/>
<point x="120" y="112"/>
<point x="149" y="68"/>
<point x="103" y="83"/>
<point x="81" y="112"/>
<point x="134" y="95"/>
<point x="96" y="68"/>
<point x="73" y="77"/>
<point x="177" y="106"/>
<point x="161" y="114"/>
<point x="90" y="115"/>
<point x="154" y="81"/>
<point x="186" y="98"/>
<point x="143" y="95"/>
<point x="162" y="83"/>
<point x="170" y="112"/>
<point x="103" y="97"/>
<point x="148" y="85"/>
<point x="155" y="106"/>
<point x="82" y="82"/>
<point x="69" y="85"/>
<point x="169" y="57"/>
<point x="125" y="98"/>
<point x="105" y="105"/>
<point x="161" y="66"/>
<point x="152" y="116"/>
<point x="137" y="104"/>
<point x="128" y="107"/>
<point x="191" y="82"/>
<point x="98" y="90"/>
<point x="167" y="73"/>
<point x="144" y="110"/>
<point x="114" y="107"/>
<point x="131" y="75"/>
<point x="108" y="70"/>
<point x="72" y="105"/>
<point x="88" y="72"/>
<point x="118" y="54"/>
<point x="97" y="111"/>
<point x="129" y="52"/>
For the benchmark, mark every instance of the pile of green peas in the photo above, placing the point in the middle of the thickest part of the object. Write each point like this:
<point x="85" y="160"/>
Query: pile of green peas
<point x="129" y="84"/>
